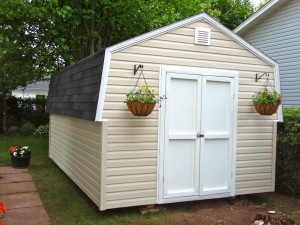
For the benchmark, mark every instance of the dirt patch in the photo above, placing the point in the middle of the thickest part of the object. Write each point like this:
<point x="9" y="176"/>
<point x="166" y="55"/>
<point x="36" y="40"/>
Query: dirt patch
<point x="226" y="212"/>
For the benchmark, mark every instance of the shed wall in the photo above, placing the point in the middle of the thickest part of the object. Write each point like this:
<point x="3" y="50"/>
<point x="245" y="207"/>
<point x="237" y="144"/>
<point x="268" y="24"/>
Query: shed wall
<point x="75" y="146"/>
<point x="278" y="37"/>
<point x="132" y="143"/>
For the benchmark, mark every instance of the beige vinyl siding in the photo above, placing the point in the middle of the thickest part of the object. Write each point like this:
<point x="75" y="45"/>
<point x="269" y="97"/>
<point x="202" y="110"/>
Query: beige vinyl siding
<point x="132" y="144"/>
<point x="75" y="146"/>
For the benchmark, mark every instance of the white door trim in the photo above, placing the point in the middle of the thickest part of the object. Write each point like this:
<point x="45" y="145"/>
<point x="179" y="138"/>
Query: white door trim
<point x="161" y="127"/>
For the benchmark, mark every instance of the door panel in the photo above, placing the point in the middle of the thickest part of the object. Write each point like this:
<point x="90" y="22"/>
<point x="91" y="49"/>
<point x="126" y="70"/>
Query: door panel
<point x="214" y="176"/>
<point x="181" y="159"/>
<point x="180" y="168"/>
<point x="182" y="105"/>
<point x="217" y="102"/>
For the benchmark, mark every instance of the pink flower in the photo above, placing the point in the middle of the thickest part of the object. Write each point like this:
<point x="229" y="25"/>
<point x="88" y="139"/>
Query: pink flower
<point x="269" y="95"/>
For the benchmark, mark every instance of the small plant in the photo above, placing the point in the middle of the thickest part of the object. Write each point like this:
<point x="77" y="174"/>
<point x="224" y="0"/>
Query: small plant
<point x="267" y="97"/>
<point x="20" y="151"/>
<point x="42" y="131"/>
<point x="143" y="94"/>
<point x="27" y="129"/>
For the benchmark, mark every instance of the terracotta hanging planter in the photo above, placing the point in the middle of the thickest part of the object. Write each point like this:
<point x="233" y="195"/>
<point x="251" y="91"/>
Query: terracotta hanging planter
<point x="266" y="109"/>
<point x="140" y="108"/>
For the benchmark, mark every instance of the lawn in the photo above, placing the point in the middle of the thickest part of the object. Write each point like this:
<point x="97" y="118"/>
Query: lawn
<point x="66" y="204"/>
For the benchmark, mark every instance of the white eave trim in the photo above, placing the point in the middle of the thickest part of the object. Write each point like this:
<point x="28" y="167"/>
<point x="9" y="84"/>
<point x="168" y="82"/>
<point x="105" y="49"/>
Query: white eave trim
<point x="256" y="17"/>
<point x="155" y="33"/>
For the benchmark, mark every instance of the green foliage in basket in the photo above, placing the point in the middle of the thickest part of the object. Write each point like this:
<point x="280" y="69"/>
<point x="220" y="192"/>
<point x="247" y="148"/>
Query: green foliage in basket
<point x="143" y="94"/>
<point x="267" y="97"/>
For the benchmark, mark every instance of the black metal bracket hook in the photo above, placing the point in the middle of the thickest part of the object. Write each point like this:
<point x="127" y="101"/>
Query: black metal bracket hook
<point x="136" y="68"/>
<point x="264" y="74"/>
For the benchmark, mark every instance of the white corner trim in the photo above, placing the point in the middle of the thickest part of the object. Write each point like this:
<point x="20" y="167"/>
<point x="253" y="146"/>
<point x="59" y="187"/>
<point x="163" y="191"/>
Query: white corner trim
<point x="256" y="16"/>
<point x="278" y="89"/>
<point x="105" y="71"/>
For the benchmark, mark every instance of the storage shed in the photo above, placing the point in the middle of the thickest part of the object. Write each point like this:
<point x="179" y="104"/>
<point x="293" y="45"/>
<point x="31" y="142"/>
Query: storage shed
<point x="205" y="141"/>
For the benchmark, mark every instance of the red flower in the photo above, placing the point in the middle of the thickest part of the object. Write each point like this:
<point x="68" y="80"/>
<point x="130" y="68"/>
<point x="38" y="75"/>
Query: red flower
<point x="12" y="148"/>
<point x="2" y="208"/>
<point x="269" y="95"/>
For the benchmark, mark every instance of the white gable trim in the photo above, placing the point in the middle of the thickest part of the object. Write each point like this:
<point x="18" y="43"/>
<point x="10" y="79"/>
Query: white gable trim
<point x="155" y="33"/>
<point x="101" y="98"/>
<point x="259" y="15"/>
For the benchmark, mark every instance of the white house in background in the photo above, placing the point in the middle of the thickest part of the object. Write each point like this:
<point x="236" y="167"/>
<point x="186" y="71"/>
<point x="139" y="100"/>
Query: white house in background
<point x="32" y="90"/>
<point x="275" y="31"/>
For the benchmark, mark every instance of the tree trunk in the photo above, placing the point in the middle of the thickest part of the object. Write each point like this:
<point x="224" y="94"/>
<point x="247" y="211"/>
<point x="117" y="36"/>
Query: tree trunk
<point x="92" y="38"/>
<point x="4" y="115"/>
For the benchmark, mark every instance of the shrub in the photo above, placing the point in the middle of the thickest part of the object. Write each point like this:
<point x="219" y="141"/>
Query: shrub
<point x="42" y="131"/>
<point x="13" y="130"/>
<point x="288" y="154"/>
<point x="27" y="129"/>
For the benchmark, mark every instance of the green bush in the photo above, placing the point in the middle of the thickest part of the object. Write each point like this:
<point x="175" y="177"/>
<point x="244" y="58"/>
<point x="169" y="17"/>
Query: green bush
<point x="13" y="130"/>
<point x="288" y="154"/>
<point x="27" y="129"/>
<point x="42" y="131"/>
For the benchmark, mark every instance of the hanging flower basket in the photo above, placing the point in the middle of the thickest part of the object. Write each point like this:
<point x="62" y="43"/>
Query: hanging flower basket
<point x="140" y="108"/>
<point x="265" y="102"/>
<point x="142" y="100"/>
<point x="266" y="109"/>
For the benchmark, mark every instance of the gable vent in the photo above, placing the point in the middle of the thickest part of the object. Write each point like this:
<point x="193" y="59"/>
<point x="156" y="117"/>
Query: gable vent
<point x="202" y="36"/>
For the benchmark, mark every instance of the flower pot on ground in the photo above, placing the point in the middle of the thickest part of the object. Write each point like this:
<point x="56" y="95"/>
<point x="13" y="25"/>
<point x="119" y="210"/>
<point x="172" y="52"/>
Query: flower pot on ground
<point x="20" y="156"/>
<point x="265" y="102"/>
<point x="20" y="162"/>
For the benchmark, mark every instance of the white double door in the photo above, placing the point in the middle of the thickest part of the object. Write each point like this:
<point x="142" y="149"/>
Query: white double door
<point x="198" y="134"/>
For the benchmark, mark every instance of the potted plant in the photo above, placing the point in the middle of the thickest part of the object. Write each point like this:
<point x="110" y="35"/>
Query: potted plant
<point x="265" y="102"/>
<point x="20" y="156"/>
<point x="2" y="212"/>
<point x="141" y="101"/>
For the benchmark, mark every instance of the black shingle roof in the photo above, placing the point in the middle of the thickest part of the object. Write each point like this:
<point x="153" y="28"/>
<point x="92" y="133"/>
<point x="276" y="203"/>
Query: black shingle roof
<point x="74" y="91"/>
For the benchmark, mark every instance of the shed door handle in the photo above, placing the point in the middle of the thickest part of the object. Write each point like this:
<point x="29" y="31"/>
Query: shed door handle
<point x="199" y="135"/>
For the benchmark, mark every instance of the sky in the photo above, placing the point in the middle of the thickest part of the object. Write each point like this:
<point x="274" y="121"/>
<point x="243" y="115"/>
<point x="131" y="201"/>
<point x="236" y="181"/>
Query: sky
<point x="255" y="2"/>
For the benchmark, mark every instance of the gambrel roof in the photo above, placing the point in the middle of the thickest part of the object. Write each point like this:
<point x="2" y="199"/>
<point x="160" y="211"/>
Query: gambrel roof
<point x="74" y="90"/>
